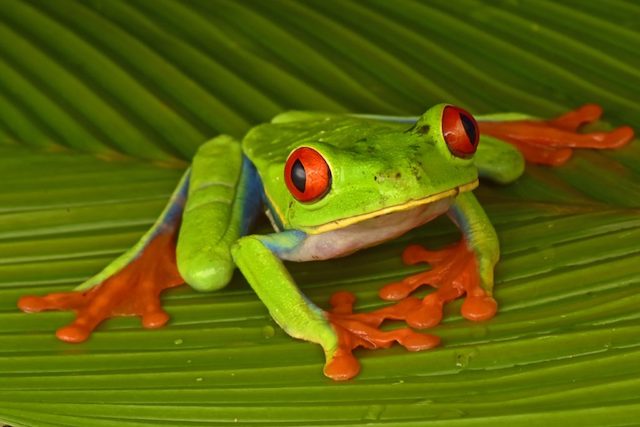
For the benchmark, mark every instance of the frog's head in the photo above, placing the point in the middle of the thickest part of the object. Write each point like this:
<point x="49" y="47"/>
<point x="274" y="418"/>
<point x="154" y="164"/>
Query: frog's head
<point x="347" y="170"/>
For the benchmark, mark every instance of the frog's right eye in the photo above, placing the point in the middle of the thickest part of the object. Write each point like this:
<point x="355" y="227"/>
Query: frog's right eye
<point x="307" y="175"/>
<point x="460" y="131"/>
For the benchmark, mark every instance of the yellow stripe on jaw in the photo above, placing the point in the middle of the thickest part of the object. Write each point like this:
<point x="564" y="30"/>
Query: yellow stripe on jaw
<point x="345" y="222"/>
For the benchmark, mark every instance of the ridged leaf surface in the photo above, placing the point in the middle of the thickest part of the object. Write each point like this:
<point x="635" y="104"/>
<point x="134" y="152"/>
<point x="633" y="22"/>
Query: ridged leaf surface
<point x="102" y="104"/>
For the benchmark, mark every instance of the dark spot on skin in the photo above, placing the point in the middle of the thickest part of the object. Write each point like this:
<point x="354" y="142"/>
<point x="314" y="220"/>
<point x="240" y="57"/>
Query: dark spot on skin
<point x="361" y="140"/>
<point x="416" y="172"/>
<point x="290" y="205"/>
<point x="375" y="178"/>
<point x="424" y="129"/>
<point x="398" y="175"/>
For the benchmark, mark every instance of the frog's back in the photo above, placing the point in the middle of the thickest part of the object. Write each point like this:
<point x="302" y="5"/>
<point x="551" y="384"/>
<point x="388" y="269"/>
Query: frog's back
<point x="271" y="143"/>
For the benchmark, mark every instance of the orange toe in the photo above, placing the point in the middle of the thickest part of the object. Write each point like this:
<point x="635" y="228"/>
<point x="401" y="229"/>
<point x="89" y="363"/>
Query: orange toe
<point x="73" y="333"/>
<point x="479" y="308"/>
<point x="343" y="366"/>
<point x="155" y="320"/>
<point x="31" y="304"/>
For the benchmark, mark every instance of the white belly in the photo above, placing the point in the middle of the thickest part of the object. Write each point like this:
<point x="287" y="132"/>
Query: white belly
<point x="370" y="232"/>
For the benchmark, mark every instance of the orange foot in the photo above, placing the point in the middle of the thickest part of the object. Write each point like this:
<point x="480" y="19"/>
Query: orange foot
<point x="362" y="330"/>
<point x="133" y="291"/>
<point x="454" y="272"/>
<point x="551" y="142"/>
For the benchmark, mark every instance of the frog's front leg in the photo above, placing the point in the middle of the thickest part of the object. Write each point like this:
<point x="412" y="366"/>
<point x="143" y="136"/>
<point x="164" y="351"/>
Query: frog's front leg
<point x="339" y="331"/>
<point x="464" y="268"/>
<point x="551" y="142"/>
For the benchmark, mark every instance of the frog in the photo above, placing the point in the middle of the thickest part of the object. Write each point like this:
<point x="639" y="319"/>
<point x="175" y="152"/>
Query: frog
<point x="333" y="184"/>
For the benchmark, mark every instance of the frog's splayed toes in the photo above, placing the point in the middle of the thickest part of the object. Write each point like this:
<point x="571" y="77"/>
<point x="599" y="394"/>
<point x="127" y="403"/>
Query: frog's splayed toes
<point x="134" y="291"/>
<point x="362" y="330"/>
<point x="551" y="142"/>
<point x="454" y="273"/>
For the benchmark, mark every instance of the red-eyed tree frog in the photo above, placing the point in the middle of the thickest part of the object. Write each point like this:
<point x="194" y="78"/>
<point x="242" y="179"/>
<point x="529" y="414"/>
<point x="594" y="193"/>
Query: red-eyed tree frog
<point x="331" y="185"/>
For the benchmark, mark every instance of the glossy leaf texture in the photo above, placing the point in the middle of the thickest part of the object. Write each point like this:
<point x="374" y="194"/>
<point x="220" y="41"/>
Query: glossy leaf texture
<point x="102" y="103"/>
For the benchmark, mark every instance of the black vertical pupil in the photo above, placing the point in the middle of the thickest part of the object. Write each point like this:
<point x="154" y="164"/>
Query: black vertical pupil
<point x="299" y="176"/>
<point x="469" y="128"/>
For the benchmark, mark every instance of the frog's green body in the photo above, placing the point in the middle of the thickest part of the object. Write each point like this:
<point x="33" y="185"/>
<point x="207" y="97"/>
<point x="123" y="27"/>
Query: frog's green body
<point x="379" y="168"/>
<point x="384" y="176"/>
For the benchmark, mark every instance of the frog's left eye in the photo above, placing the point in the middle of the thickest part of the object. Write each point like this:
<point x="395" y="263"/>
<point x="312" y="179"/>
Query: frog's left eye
<point x="307" y="175"/>
<point x="460" y="131"/>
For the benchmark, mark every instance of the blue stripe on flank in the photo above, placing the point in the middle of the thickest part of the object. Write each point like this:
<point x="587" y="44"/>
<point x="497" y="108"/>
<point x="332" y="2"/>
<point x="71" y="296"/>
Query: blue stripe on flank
<point x="174" y="209"/>
<point x="266" y="202"/>
<point x="171" y="215"/>
<point x="177" y="202"/>
<point x="460" y="219"/>
<point x="283" y="242"/>
<point x="251" y="195"/>
<point x="273" y="213"/>
<point x="253" y="198"/>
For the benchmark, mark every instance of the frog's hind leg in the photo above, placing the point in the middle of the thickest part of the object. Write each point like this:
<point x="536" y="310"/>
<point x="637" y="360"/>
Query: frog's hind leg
<point x="130" y="285"/>
<point x="207" y="211"/>
<point x="225" y="196"/>
<point x="551" y="142"/>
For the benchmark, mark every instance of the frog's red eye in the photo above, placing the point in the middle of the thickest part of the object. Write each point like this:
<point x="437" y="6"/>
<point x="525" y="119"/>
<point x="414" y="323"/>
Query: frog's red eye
<point x="307" y="174"/>
<point x="460" y="131"/>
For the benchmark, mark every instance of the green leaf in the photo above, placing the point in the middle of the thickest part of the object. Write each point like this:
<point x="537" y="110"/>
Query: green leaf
<point x="102" y="103"/>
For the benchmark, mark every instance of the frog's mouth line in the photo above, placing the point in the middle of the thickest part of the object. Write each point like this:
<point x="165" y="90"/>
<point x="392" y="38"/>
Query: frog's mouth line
<point x="341" y="223"/>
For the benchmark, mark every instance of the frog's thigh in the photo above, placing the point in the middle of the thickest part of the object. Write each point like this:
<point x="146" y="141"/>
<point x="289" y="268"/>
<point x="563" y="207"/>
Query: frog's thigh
<point x="498" y="161"/>
<point x="215" y="214"/>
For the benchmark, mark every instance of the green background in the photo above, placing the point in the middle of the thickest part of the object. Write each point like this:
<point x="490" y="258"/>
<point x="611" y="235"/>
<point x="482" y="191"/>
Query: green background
<point x="102" y="103"/>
